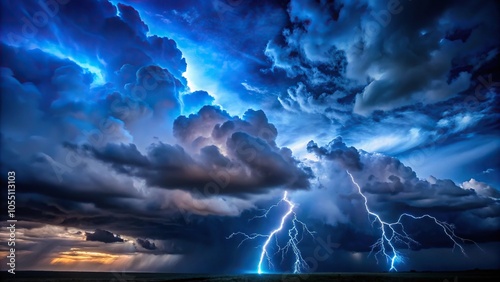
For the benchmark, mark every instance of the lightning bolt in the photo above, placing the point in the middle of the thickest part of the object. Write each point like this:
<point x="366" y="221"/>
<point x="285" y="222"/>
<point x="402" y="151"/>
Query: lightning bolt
<point x="293" y="237"/>
<point x="393" y="232"/>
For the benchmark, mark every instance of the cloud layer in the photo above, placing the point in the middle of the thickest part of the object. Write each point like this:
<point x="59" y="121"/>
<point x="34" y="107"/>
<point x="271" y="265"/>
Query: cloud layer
<point x="121" y="164"/>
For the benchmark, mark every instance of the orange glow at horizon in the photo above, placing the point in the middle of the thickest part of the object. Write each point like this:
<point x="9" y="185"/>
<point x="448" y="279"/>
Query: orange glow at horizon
<point x="76" y="256"/>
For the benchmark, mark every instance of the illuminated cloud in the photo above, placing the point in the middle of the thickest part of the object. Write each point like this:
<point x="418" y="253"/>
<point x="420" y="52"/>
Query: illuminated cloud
<point x="393" y="188"/>
<point x="349" y="37"/>
<point x="222" y="155"/>
<point x="104" y="134"/>
<point x="103" y="236"/>
<point x="146" y="244"/>
<point x="76" y="257"/>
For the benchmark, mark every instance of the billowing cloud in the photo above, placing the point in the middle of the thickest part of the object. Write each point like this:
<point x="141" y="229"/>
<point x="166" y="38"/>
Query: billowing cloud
<point x="146" y="244"/>
<point x="222" y="154"/>
<point x="393" y="188"/>
<point x="111" y="36"/>
<point x="99" y="124"/>
<point x="481" y="188"/>
<point x="195" y="101"/>
<point x="338" y="151"/>
<point x="103" y="236"/>
<point x="385" y="47"/>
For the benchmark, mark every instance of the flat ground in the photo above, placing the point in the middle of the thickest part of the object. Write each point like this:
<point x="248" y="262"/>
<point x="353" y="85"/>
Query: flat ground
<point x="38" y="276"/>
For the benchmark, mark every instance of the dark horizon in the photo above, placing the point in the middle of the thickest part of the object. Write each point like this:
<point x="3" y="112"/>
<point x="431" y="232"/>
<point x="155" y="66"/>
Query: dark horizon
<point x="474" y="275"/>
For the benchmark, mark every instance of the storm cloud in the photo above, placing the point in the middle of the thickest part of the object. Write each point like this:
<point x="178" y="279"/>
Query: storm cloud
<point x="393" y="189"/>
<point x="223" y="154"/>
<point x="143" y="134"/>
<point x="405" y="50"/>
<point x="146" y="244"/>
<point x="103" y="236"/>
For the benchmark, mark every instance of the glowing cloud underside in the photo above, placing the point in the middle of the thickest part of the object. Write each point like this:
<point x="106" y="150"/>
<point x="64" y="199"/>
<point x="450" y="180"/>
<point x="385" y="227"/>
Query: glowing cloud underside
<point x="394" y="232"/>
<point x="293" y="238"/>
<point x="82" y="61"/>
<point x="76" y="256"/>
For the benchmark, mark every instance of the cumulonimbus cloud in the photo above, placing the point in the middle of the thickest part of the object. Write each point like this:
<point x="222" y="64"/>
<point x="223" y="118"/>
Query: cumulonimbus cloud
<point x="393" y="188"/>
<point x="230" y="154"/>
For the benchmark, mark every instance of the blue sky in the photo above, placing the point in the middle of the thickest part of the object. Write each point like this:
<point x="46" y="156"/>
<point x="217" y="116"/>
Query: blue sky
<point x="151" y="130"/>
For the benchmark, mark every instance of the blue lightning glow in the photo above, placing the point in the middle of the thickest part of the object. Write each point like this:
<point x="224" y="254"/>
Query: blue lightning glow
<point x="80" y="60"/>
<point x="386" y="242"/>
<point x="83" y="63"/>
<point x="292" y="243"/>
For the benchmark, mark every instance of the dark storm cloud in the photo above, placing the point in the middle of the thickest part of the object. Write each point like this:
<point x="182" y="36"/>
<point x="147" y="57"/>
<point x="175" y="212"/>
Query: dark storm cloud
<point x="406" y="51"/>
<point x="196" y="100"/>
<point x="70" y="189"/>
<point x="52" y="78"/>
<point x="187" y="129"/>
<point x="105" y="36"/>
<point x="224" y="52"/>
<point x="481" y="188"/>
<point x="393" y="189"/>
<point x="333" y="103"/>
<point x="53" y="100"/>
<point x="120" y="154"/>
<point x="397" y="77"/>
<point x="100" y="157"/>
<point x="103" y="236"/>
<point x="204" y="19"/>
<point x="62" y="93"/>
<point x="234" y="155"/>
<point x="338" y="151"/>
<point x="157" y="88"/>
<point x="62" y="110"/>
<point x="147" y="106"/>
<point x="211" y="124"/>
<point x="130" y="16"/>
<point x="146" y="244"/>
<point x="146" y="91"/>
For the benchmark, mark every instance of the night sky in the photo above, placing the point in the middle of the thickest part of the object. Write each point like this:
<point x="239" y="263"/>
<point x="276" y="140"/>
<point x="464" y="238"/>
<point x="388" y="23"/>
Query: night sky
<point x="144" y="133"/>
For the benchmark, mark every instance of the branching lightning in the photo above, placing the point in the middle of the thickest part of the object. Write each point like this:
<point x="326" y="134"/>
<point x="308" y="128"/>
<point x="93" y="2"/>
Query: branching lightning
<point x="293" y="238"/>
<point x="394" y="232"/>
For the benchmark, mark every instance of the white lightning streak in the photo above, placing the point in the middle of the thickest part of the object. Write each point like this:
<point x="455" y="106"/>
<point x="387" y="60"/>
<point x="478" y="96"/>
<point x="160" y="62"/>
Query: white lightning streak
<point x="293" y="241"/>
<point x="392" y="254"/>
